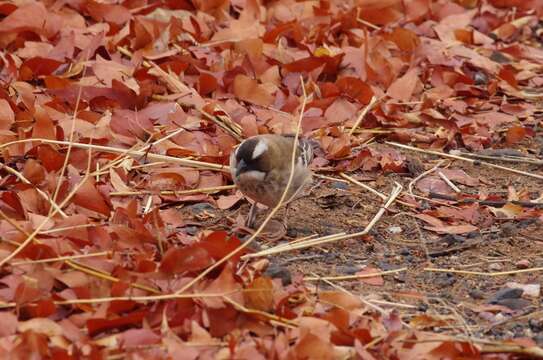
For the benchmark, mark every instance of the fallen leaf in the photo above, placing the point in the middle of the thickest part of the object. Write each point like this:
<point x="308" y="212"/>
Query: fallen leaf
<point x="376" y="280"/>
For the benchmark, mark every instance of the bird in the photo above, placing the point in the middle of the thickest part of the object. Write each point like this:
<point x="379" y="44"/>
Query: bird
<point x="260" y="168"/>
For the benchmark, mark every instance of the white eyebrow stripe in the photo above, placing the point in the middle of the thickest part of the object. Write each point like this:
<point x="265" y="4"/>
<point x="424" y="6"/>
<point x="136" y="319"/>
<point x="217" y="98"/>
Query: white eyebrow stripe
<point x="260" y="148"/>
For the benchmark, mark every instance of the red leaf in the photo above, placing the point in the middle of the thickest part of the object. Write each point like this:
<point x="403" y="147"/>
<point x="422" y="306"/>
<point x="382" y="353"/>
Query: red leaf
<point x="38" y="66"/>
<point x="207" y="83"/>
<point x="355" y="89"/>
<point x="96" y="326"/>
<point x="44" y="127"/>
<point x="39" y="309"/>
<point x="38" y="251"/>
<point x="313" y="62"/>
<point x="87" y="196"/>
<point x="11" y="199"/>
<point x="51" y="159"/>
<point x="218" y="244"/>
<point x="189" y="258"/>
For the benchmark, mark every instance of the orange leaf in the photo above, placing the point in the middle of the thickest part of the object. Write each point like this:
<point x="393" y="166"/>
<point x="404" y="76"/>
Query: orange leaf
<point x="249" y="90"/>
<point x="189" y="258"/>
<point x="259" y="294"/>
<point x="405" y="39"/>
<point x="355" y="89"/>
<point x="207" y="83"/>
<point x="515" y="134"/>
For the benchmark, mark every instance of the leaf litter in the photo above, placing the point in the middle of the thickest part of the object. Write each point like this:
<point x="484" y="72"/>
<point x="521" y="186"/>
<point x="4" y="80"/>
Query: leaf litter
<point x="92" y="94"/>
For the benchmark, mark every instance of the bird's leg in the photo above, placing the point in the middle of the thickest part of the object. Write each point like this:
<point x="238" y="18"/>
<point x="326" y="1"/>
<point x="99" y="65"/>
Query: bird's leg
<point x="251" y="217"/>
<point x="285" y="217"/>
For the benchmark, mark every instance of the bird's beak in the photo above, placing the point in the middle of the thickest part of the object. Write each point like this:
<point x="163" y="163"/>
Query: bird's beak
<point x="241" y="168"/>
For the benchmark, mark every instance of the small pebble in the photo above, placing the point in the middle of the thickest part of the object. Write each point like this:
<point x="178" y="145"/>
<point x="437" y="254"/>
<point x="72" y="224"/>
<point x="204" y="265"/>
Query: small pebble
<point x="348" y="270"/>
<point x="339" y="185"/>
<point x="394" y="229"/>
<point x="539" y="339"/>
<point x="507" y="293"/>
<point x="191" y="230"/>
<point x="495" y="267"/>
<point x="536" y="325"/>
<point x="200" y="207"/>
<point x="476" y="294"/>
<point x="276" y="271"/>
<point x="523" y="264"/>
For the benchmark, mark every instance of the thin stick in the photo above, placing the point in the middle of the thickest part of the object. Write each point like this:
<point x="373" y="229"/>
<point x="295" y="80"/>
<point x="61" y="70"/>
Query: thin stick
<point x="105" y="276"/>
<point x="52" y="231"/>
<point x="362" y="185"/>
<point x="506" y="158"/>
<point x="61" y="258"/>
<point x="354" y="277"/>
<point x="12" y="223"/>
<point x="285" y="322"/>
<point x="132" y="298"/>
<point x="70" y="139"/>
<point x="474" y="162"/>
<point x="134" y="153"/>
<point x="449" y="182"/>
<point x="480" y="273"/>
<point x="330" y="178"/>
<point x="173" y="192"/>
<point x="363" y="114"/>
<point x="274" y="210"/>
<point x="364" y="301"/>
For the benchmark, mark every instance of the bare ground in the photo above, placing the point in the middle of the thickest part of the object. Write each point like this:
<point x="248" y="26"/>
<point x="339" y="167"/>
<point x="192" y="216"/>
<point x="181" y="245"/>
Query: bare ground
<point x="400" y="240"/>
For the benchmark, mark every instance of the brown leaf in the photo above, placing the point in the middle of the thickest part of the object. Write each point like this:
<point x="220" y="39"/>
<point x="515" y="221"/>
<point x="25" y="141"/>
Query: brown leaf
<point x="453" y="229"/>
<point x="376" y="280"/>
<point x="249" y="90"/>
<point x="403" y="88"/>
<point x="9" y="324"/>
<point x="225" y="202"/>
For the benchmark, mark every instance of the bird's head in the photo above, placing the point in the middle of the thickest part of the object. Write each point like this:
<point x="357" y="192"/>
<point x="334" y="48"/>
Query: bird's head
<point x="252" y="157"/>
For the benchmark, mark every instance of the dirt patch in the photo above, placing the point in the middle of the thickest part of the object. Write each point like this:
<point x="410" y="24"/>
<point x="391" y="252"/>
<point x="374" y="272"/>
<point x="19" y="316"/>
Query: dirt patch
<point x="400" y="240"/>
